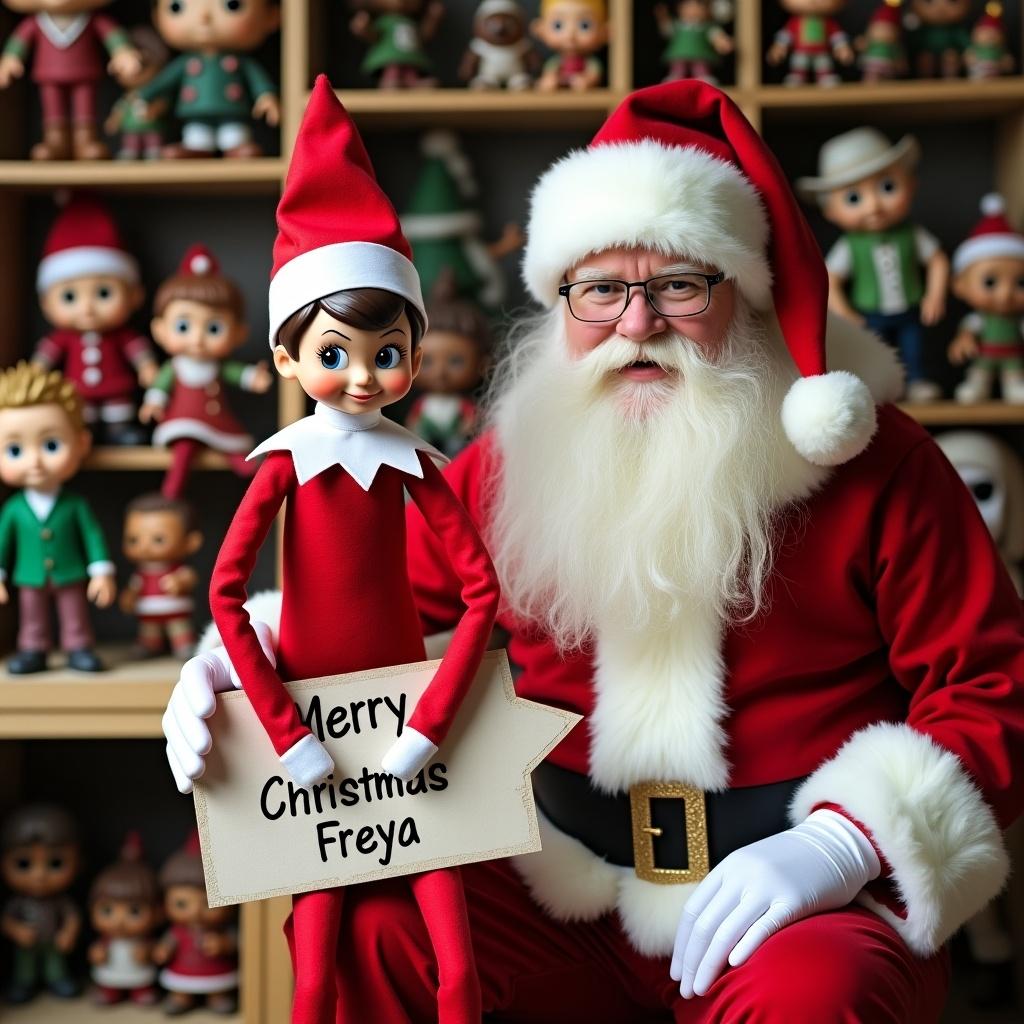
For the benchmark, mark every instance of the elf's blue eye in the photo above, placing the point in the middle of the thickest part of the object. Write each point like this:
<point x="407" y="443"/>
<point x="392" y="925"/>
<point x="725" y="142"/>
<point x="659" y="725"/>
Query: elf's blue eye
<point x="215" y="328"/>
<point x="388" y="357"/>
<point x="181" y="325"/>
<point x="14" y="451"/>
<point x="332" y="357"/>
<point x="51" y="446"/>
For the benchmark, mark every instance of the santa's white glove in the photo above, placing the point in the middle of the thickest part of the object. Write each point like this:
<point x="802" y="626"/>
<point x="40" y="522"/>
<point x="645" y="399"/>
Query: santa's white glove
<point x="194" y="699"/>
<point x="820" y="864"/>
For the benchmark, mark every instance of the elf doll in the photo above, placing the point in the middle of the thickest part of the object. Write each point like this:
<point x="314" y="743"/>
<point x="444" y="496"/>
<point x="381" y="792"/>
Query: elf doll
<point x="69" y="42"/>
<point x="396" y="31"/>
<point x="940" y="37"/>
<point x="89" y="288"/>
<point x="141" y="137"/>
<point x="987" y="55"/>
<point x="988" y="275"/>
<point x="884" y="271"/>
<point x="577" y="31"/>
<point x="696" y="42"/>
<point x="346" y="318"/>
<point x="216" y="86"/>
<point x="883" y="56"/>
<point x="500" y="52"/>
<point x="811" y="37"/>
<point x="160" y="536"/>
<point x="51" y="545"/>
<point x="124" y="907"/>
<point x="199" y="320"/>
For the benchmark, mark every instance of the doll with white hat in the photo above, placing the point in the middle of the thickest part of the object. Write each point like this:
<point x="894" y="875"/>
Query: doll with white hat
<point x="346" y="319"/>
<point x="500" y="52"/>
<point x="885" y="272"/>
<point x="988" y="275"/>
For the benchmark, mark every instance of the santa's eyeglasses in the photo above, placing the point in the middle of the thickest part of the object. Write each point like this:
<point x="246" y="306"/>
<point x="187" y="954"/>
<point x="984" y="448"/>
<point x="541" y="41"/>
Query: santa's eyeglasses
<point x="603" y="299"/>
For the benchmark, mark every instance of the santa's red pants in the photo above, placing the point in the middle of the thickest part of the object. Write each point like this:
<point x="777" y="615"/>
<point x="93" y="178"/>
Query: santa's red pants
<point x="844" y="967"/>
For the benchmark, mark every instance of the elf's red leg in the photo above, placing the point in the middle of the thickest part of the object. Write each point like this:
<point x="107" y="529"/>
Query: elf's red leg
<point x="442" y="902"/>
<point x="182" y="454"/>
<point x="316" y="917"/>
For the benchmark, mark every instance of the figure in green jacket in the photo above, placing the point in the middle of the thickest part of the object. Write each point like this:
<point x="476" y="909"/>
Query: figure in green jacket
<point x="51" y="546"/>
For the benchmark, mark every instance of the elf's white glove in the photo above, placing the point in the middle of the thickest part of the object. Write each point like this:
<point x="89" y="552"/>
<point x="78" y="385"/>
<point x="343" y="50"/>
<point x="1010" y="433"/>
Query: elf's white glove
<point x="194" y="699"/>
<point x="820" y="864"/>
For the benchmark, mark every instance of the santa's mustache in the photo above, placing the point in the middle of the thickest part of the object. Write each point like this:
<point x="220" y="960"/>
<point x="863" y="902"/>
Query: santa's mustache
<point x="673" y="353"/>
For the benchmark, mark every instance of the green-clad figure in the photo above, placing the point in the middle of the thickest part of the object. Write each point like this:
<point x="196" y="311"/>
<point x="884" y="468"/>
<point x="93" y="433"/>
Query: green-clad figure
<point x="940" y="38"/>
<point x="51" y="546"/>
<point x="883" y="56"/>
<point x="142" y="133"/>
<point x="988" y="271"/>
<point x="215" y="87"/>
<point x="988" y="56"/>
<point x="696" y="42"/>
<point x="396" y="32"/>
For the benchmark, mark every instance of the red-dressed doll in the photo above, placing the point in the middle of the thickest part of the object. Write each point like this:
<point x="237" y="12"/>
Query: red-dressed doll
<point x="199" y="320"/>
<point x="346" y="318"/>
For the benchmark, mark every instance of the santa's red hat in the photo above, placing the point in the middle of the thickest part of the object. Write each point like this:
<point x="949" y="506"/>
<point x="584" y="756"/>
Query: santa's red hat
<point x="887" y="14"/>
<point x="677" y="168"/>
<point x="198" y="261"/>
<point x="336" y="228"/>
<point x="993" y="237"/>
<point x="84" y="239"/>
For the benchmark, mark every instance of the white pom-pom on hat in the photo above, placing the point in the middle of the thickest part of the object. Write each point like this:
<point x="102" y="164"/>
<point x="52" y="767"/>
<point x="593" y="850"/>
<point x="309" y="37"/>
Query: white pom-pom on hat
<point x="829" y="418"/>
<point x="993" y="204"/>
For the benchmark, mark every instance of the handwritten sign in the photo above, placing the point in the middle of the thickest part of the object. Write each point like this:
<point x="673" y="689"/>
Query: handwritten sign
<point x="262" y="835"/>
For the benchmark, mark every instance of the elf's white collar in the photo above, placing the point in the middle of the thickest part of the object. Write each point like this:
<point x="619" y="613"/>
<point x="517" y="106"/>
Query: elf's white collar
<point x="359" y="443"/>
<point x="62" y="32"/>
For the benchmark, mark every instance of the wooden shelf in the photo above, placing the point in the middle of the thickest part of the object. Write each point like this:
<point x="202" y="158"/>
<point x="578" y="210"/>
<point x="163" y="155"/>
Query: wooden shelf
<point x="48" y="1010"/>
<point x="195" y="176"/>
<point x="126" y="702"/>
<point x="142" y="457"/>
<point x="990" y="414"/>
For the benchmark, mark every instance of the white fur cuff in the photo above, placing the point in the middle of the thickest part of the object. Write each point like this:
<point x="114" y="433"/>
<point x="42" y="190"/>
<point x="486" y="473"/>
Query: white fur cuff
<point x="927" y="817"/>
<point x="307" y="761"/>
<point x="408" y="754"/>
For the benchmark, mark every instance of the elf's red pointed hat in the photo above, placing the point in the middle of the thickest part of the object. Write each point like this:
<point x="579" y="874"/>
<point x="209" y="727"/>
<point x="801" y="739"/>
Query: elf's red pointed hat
<point x="993" y="236"/>
<point x="84" y="240"/>
<point x="198" y="261"/>
<point x="336" y="228"/>
<point x="677" y="168"/>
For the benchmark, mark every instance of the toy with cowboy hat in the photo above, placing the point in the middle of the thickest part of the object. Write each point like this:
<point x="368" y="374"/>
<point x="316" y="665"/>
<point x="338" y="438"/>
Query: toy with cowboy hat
<point x="885" y="272"/>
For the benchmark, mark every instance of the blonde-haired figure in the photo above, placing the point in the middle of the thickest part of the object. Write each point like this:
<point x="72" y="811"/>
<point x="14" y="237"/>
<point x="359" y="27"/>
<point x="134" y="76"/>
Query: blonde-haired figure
<point x="576" y="30"/>
<point x="51" y="546"/>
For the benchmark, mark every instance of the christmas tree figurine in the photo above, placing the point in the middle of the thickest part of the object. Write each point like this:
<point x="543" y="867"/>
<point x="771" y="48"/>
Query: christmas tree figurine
<point x="987" y="55"/>
<point x="445" y="227"/>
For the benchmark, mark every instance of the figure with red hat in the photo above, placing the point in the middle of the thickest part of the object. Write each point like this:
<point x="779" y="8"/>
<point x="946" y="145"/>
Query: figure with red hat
<point x="199" y="320"/>
<point x="988" y="56"/>
<point x="882" y="54"/>
<point x="811" y="38"/>
<point x="346" y="319"/>
<point x="795" y="647"/>
<point x="89" y="288"/>
<point x="988" y="275"/>
<point x="69" y="42"/>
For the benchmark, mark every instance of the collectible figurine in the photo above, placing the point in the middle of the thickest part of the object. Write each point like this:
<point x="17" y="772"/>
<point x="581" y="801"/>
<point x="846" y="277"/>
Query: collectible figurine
<point x="39" y="860"/>
<point x="160" y="535"/>
<point x="396" y="32"/>
<point x="125" y="907"/>
<point x="811" y="37"/>
<point x="456" y="351"/>
<point x="216" y="88"/>
<point x="199" y="952"/>
<point x="500" y="53"/>
<point x="346" y="317"/>
<point x="866" y="187"/>
<point x="988" y="275"/>
<point x="940" y="37"/>
<point x="987" y="55"/>
<point x="883" y="56"/>
<point x="576" y="30"/>
<point x="49" y="535"/>
<point x="88" y="285"/>
<point x="199" y="320"/>
<point x="141" y="137"/>
<point x="69" y="41"/>
<point x="696" y="42"/>
<point x="445" y="228"/>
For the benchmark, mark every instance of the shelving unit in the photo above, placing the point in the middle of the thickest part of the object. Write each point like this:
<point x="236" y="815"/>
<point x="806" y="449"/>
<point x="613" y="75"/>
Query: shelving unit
<point x="126" y="704"/>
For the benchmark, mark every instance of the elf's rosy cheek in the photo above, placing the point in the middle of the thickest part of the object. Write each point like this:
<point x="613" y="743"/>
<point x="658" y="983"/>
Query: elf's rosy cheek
<point x="395" y="383"/>
<point x="321" y="385"/>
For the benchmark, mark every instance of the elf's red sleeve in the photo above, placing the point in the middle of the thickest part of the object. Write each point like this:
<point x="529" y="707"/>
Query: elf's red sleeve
<point x="450" y="523"/>
<point x="273" y="483"/>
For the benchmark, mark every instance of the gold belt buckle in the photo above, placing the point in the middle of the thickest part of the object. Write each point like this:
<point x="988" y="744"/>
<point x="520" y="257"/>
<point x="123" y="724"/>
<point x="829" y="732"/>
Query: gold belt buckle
<point x="644" y="832"/>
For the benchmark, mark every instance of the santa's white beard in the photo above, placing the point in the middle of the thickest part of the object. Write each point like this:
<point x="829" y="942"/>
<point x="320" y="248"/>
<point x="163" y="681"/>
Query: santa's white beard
<point x="624" y="502"/>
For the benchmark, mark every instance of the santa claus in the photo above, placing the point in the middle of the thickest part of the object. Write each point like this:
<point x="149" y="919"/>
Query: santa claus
<point x="796" y="650"/>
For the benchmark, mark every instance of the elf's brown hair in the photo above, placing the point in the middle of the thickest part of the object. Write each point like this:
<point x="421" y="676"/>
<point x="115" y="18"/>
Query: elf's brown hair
<point x="366" y="309"/>
<point x="209" y="289"/>
<point x="128" y="879"/>
<point x="156" y="502"/>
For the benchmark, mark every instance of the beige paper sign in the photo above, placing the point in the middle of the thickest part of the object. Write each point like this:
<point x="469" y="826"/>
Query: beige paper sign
<point x="262" y="835"/>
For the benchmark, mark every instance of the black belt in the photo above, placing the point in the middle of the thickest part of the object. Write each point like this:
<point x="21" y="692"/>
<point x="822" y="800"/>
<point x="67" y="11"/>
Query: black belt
<point x="667" y="832"/>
